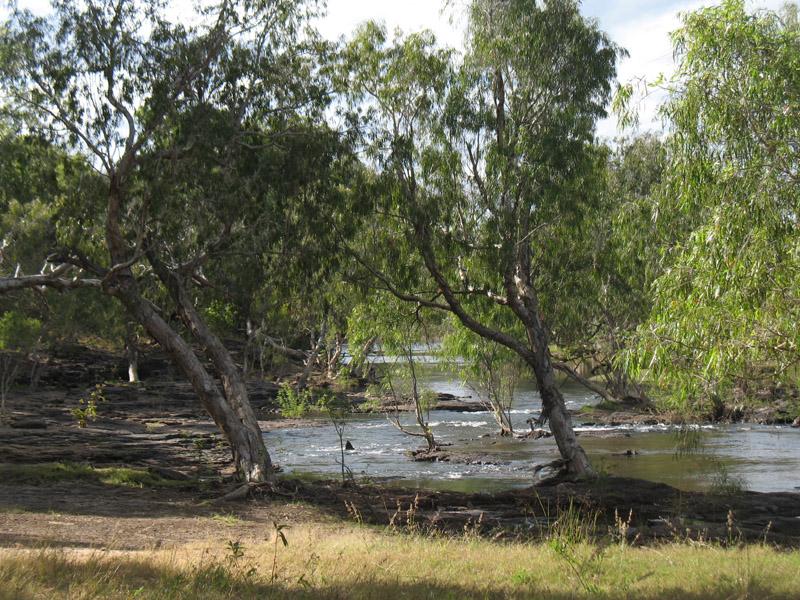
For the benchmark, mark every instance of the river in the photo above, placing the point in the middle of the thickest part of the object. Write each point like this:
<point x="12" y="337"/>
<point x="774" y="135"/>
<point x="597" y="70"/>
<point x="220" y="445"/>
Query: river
<point x="749" y="456"/>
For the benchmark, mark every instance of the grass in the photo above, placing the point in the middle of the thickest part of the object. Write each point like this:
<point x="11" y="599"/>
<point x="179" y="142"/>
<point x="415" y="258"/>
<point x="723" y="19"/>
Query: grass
<point x="227" y="518"/>
<point x="68" y="471"/>
<point x="361" y="562"/>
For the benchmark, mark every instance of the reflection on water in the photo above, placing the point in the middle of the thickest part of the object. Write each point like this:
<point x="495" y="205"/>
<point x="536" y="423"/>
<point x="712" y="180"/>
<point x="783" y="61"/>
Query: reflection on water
<point x="763" y="458"/>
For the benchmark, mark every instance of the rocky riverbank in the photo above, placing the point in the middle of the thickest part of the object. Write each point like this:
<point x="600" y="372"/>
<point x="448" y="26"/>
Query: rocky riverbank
<point x="157" y="427"/>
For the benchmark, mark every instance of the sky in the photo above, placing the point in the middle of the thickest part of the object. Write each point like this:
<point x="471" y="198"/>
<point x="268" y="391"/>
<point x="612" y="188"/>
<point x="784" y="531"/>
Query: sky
<point x="642" y="27"/>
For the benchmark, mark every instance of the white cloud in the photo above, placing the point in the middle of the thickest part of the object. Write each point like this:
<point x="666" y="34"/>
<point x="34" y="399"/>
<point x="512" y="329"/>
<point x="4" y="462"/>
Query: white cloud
<point x="412" y="15"/>
<point x="640" y="26"/>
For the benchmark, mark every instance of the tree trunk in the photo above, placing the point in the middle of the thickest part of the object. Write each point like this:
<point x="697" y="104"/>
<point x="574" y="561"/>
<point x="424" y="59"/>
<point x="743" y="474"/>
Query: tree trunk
<point x="587" y="383"/>
<point x="359" y="359"/>
<point x="553" y="407"/>
<point x="10" y="366"/>
<point x="132" y="352"/>
<point x="333" y="358"/>
<point x="251" y="457"/>
<point x="290" y="352"/>
<point x="312" y="359"/>
<point x="541" y="363"/>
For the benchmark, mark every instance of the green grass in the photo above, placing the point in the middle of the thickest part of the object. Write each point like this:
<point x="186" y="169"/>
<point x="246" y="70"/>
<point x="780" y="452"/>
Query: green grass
<point x="68" y="471"/>
<point x="360" y="562"/>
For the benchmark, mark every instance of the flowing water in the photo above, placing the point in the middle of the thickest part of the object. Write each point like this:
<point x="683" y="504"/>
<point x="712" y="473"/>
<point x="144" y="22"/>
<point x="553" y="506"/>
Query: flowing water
<point x="755" y="457"/>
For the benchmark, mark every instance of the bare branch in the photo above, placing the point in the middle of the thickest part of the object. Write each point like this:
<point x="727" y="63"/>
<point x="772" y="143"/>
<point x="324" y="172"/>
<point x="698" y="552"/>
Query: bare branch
<point x="10" y="284"/>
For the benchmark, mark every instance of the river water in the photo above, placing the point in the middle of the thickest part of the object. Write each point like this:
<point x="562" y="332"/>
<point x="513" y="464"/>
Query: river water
<point x="754" y="457"/>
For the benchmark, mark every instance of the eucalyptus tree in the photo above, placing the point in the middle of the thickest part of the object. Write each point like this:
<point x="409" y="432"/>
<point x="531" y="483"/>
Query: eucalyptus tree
<point x="726" y="308"/>
<point x="395" y="329"/>
<point x="489" y="369"/>
<point x="479" y="163"/>
<point x="43" y="188"/>
<point x="607" y="266"/>
<point x="188" y="127"/>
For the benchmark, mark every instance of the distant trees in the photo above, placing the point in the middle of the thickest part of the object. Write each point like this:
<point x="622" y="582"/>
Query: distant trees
<point x="19" y="336"/>
<point x="595" y="282"/>
<point x="726" y="308"/>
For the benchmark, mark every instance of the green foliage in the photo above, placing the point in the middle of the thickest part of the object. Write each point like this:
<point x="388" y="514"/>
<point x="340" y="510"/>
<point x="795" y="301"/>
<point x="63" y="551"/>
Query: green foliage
<point x="491" y="370"/>
<point x="279" y="535"/>
<point x="67" y="471"/>
<point x="19" y="336"/>
<point x="726" y="304"/>
<point x="18" y="333"/>
<point x="297" y="403"/>
<point x="453" y="143"/>
<point x="572" y="538"/>
<point x="88" y="413"/>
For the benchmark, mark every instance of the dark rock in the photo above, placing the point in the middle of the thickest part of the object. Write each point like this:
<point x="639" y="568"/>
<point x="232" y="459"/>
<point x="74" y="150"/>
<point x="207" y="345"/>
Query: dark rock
<point x="626" y="453"/>
<point x="170" y="474"/>
<point x="29" y="424"/>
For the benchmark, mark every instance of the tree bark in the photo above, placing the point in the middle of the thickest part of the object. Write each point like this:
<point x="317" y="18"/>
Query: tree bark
<point x="132" y="351"/>
<point x="359" y="359"/>
<point x="536" y="353"/>
<point x="553" y="406"/>
<point x="290" y="352"/>
<point x="312" y="358"/>
<point x="253" y="460"/>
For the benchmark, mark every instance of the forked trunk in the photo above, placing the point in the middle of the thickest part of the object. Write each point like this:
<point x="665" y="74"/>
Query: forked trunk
<point x="244" y="434"/>
<point x="250" y="455"/>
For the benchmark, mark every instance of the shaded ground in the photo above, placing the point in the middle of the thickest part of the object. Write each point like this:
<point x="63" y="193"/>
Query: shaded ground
<point x="159" y="425"/>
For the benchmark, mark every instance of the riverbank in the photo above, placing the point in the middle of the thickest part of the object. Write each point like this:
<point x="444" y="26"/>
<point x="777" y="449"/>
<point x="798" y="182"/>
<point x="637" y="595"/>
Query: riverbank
<point x="154" y="435"/>
<point x="146" y="465"/>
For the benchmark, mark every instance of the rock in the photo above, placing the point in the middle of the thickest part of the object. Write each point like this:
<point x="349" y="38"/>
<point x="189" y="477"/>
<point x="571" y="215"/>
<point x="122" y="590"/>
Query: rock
<point x="29" y="424"/>
<point x="169" y="474"/>
<point x="796" y="422"/>
<point x="626" y="453"/>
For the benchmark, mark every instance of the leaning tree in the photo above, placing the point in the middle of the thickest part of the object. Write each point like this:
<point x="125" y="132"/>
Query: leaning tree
<point x="191" y="129"/>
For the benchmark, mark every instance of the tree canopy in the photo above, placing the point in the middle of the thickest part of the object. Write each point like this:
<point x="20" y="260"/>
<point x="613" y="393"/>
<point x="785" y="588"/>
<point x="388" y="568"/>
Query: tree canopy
<point x="725" y="310"/>
<point x="480" y="163"/>
<point x="192" y="174"/>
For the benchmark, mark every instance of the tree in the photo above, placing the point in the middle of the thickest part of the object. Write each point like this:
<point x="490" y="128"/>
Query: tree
<point x="595" y="283"/>
<point x="388" y="324"/>
<point x="18" y="336"/>
<point x="489" y="369"/>
<point x="41" y="188"/>
<point x="477" y="165"/>
<point x="186" y="126"/>
<point x="726" y="307"/>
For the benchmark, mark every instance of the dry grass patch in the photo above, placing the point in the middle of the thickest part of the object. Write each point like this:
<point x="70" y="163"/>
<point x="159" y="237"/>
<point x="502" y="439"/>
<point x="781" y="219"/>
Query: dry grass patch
<point x="360" y="562"/>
